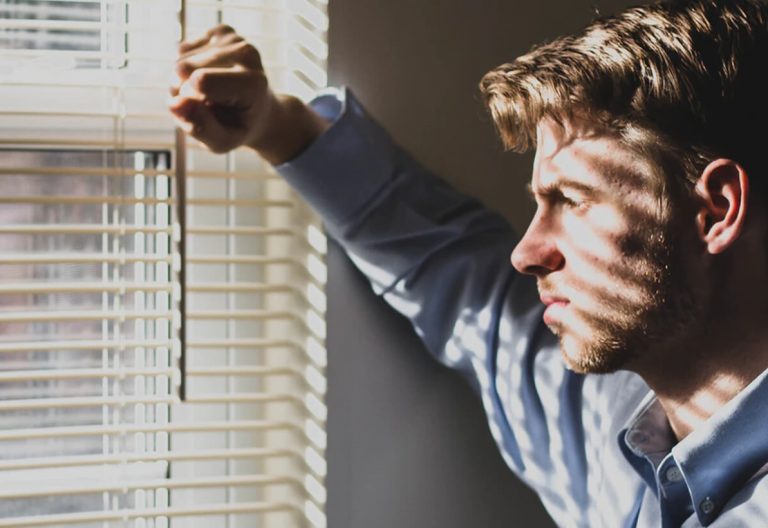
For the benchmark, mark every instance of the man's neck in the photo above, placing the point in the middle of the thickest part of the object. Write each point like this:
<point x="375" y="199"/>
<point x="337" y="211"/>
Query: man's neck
<point x="700" y="376"/>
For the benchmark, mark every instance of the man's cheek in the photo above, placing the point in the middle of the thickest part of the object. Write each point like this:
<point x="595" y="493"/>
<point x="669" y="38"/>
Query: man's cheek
<point x="589" y="240"/>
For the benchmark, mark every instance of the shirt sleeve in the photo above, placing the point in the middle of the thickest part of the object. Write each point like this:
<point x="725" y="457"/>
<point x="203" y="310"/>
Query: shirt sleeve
<point x="437" y="256"/>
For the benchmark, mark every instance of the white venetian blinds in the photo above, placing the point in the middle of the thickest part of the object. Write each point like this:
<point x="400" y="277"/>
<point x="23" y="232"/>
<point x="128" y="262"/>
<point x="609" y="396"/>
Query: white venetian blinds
<point x="97" y="296"/>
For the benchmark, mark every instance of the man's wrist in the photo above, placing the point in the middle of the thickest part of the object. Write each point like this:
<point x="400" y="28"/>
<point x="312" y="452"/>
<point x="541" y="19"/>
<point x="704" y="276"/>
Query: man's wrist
<point x="290" y="127"/>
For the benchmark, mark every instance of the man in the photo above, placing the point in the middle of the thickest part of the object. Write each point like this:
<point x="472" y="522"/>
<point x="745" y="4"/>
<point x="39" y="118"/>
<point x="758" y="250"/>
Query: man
<point x="649" y="249"/>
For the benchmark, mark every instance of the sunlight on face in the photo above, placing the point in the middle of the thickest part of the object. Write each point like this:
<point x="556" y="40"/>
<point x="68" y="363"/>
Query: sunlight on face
<point x="604" y="249"/>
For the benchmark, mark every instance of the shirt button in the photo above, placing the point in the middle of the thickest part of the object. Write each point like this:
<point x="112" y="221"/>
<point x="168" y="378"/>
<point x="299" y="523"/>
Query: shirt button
<point x="674" y="474"/>
<point x="707" y="506"/>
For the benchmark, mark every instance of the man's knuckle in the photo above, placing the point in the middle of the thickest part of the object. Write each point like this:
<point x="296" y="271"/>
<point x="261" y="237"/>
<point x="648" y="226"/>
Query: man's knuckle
<point x="183" y="68"/>
<point x="257" y="79"/>
<point x="245" y="51"/>
<point x="232" y="38"/>
<point x="198" y="132"/>
<point x="200" y="79"/>
<point x="221" y="29"/>
<point x="241" y="47"/>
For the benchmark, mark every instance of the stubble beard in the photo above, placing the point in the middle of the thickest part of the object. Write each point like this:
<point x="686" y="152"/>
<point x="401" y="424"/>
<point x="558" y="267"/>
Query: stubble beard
<point x="627" y="334"/>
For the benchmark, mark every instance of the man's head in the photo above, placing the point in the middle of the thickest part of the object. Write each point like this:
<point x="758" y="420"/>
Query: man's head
<point x="647" y="158"/>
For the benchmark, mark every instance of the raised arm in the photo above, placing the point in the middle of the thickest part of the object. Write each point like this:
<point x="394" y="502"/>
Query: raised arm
<point x="437" y="256"/>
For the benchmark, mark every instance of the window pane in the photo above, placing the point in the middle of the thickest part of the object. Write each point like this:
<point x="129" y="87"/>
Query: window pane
<point x="75" y="316"/>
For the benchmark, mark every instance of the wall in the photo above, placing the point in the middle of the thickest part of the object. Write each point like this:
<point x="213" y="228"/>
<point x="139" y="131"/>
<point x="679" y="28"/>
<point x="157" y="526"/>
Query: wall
<point x="408" y="443"/>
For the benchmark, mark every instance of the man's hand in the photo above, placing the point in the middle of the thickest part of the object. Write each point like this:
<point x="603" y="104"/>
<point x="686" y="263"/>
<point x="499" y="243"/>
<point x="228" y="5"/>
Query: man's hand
<point x="223" y="100"/>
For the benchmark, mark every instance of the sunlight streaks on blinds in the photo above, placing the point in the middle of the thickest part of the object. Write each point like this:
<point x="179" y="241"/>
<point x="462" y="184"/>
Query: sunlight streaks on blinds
<point x="226" y="262"/>
<point x="92" y="431"/>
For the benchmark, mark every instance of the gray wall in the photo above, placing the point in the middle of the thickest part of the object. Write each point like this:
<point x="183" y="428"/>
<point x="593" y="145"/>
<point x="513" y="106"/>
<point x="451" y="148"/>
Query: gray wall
<point x="408" y="443"/>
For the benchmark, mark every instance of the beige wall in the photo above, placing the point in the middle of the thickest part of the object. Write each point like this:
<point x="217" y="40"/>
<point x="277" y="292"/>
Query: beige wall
<point x="408" y="444"/>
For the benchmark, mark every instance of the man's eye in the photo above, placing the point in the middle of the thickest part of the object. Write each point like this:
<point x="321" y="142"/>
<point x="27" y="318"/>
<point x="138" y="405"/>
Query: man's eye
<point x="570" y="203"/>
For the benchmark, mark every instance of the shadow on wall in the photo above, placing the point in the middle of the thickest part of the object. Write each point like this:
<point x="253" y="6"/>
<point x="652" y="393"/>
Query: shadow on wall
<point x="408" y="443"/>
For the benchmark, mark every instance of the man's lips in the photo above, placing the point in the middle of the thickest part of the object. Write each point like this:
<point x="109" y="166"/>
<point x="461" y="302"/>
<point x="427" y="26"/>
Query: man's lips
<point x="552" y="299"/>
<point x="555" y="307"/>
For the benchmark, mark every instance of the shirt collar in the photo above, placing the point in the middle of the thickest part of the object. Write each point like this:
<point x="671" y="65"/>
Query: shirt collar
<point x="716" y="459"/>
<point x="646" y="439"/>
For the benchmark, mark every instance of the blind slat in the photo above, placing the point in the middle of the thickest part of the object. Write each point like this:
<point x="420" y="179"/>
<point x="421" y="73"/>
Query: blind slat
<point x="116" y="315"/>
<point x="118" y="515"/>
<point x="178" y="483"/>
<point x="238" y="259"/>
<point x="87" y="287"/>
<point x="236" y="5"/>
<point x="84" y="344"/>
<point x="163" y="58"/>
<point x="113" y="29"/>
<point x="53" y="114"/>
<point x="84" y="287"/>
<point x="32" y="346"/>
<point x="82" y="83"/>
<point x="126" y="458"/>
<point x="82" y="229"/>
<point x="78" y="374"/>
<point x="125" y="429"/>
<point x="113" y="171"/>
<point x="122" y="200"/>
<point x="80" y="258"/>
<point x="244" y="343"/>
<point x="242" y="314"/>
<point x="70" y="25"/>
<point x="82" y="315"/>
<point x="111" y="401"/>
<point x="98" y="258"/>
<point x="59" y="141"/>
<point x="240" y="230"/>
<point x="99" y="2"/>
<point x="239" y="287"/>
<point x="126" y="372"/>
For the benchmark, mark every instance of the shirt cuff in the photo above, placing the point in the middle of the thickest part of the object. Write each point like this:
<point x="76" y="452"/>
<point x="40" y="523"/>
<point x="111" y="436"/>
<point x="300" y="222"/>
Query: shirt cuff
<point x="348" y="165"/>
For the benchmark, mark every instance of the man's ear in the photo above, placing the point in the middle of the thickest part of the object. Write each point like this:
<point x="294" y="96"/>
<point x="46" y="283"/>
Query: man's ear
<point x="723" y="189"/>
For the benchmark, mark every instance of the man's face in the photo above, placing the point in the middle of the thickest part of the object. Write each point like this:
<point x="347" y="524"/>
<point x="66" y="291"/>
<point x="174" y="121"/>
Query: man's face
<point x="606" y="251"/>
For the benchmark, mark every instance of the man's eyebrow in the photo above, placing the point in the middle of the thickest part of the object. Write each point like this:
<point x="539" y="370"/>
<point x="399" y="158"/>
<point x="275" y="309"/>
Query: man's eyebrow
<point x="557" y="188"/>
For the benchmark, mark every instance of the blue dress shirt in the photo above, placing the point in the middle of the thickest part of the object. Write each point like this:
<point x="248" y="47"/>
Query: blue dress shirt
<point x="598" y="449"/>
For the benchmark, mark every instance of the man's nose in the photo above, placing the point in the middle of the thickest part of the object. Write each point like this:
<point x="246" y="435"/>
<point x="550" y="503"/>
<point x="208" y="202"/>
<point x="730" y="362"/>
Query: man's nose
<point x="537" y="253"/>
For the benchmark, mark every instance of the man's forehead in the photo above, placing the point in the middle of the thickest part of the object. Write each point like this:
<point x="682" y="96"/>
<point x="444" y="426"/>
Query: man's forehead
<point x="577" y="151"/>
<point x="549" y="136"/>
<point x="553" y="134"/>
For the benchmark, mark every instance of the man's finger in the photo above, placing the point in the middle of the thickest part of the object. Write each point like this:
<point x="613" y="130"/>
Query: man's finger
<point x="207" y="129"/>
<point x="237" y="53"/>
<point x="226" y="86"/>
<point x="213" y="34"/>
<point x="206" y="44"/>
<point x="219" y="30"/>
<point x="182" y="107"/>
<point x="198" y="120"/>
<point x="190" y="45"/>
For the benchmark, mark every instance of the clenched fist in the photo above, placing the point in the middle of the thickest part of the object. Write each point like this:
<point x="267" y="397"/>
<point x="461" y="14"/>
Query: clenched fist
<point x="223" y="100"/>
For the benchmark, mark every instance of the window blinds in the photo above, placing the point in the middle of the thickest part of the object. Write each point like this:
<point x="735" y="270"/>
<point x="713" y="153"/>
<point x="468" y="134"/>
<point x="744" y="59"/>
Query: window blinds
<point x="102" y="253"/>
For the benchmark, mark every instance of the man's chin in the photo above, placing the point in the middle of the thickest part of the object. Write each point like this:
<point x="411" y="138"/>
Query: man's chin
<point x="589" y="358"/>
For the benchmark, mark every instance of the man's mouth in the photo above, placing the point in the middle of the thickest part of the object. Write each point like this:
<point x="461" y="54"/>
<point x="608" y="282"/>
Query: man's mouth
<point x="555" y="308"/>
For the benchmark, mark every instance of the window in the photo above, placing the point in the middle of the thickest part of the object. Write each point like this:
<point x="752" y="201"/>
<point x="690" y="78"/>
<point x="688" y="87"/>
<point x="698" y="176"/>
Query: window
<point x="122" y="291"/>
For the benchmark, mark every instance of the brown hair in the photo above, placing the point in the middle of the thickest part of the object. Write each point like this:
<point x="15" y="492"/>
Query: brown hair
<point x="686" y="81"/>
